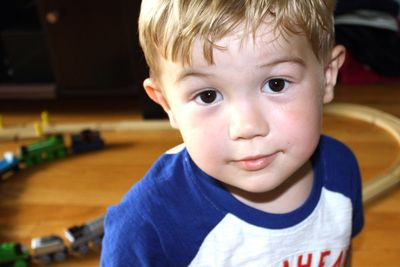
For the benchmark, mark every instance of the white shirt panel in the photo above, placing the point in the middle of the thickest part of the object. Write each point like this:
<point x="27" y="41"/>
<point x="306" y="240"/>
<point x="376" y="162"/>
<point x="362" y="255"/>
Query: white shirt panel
<point x="323" y="236"/>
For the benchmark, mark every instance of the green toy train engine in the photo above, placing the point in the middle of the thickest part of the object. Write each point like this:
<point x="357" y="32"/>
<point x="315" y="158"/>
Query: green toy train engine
<point x="13" y="255"/>
<point x="44" y="150"/>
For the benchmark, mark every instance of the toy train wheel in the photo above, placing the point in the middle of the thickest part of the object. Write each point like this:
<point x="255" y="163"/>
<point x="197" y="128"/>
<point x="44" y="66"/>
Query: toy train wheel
<point x="34" y="161"/>
<point x="59" y="153"/>
<point x="19" y="264"/>
<point x="23" y="150"/>
<point x="96" y="242"/>
<point x="82" y="249"/>
<point x="60" y="256"/>
<point x="62" y="153"/>
<point x="44" y="259"/>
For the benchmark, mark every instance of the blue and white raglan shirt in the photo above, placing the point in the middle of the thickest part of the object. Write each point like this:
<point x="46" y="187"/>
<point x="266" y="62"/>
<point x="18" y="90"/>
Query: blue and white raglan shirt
<point x="177" y="215"/>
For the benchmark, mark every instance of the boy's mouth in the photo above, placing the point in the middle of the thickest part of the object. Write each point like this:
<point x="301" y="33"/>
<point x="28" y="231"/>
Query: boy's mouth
<point x="255" y="163"/>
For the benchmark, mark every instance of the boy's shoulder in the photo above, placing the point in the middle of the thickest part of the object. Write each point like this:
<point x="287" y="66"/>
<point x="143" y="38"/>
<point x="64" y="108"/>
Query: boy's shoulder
<point x="340" y="167"/>
<point x="166" y="172"/>
<point x="331" y="144"/>
<point x="336" y="154"/>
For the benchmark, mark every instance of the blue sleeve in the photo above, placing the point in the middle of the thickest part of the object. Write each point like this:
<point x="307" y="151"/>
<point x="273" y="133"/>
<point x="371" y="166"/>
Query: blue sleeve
<point x="358" y="209"/>
<point x="130" y="240"/>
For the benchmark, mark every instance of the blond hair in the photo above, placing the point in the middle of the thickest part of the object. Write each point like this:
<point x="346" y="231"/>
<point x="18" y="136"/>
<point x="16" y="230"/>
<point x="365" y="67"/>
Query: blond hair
<point x="167" y="28"/>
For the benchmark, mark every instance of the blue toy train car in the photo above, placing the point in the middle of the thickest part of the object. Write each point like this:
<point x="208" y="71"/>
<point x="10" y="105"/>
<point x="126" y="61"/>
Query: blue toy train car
<point x="86" y="140"/>
<point x="9" y="164"/>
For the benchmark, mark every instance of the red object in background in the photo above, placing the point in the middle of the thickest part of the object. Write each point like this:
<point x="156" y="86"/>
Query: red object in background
<point x="353" y="73"/>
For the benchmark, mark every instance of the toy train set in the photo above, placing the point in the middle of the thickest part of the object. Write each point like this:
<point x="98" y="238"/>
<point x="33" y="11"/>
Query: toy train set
<point x="50" y="248"/>
<point x="49" y="148"/>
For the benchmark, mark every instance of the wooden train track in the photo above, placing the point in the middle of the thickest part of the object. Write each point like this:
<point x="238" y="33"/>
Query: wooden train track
<point x="371" y="189"/>
<point x="29" y="131"/>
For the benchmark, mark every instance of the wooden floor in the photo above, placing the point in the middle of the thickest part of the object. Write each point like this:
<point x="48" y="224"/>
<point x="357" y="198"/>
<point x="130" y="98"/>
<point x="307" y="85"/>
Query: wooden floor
<point x="51" y="197"/>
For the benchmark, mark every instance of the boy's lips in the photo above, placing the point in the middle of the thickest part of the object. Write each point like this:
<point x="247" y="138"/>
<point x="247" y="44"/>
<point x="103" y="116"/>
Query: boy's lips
<point x="255" y="163"/>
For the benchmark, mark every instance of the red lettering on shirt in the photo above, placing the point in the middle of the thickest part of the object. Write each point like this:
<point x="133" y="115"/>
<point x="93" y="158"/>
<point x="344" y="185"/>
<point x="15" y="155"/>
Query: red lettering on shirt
<point x="306" y="259"/>
<point x="324" y="254"/>
<point x="300" y="261"/>
<point x="338" y="262"/>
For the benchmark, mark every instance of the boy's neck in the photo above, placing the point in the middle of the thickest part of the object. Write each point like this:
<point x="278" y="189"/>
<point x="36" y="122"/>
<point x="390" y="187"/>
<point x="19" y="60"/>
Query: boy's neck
<point x="287" y="197"/>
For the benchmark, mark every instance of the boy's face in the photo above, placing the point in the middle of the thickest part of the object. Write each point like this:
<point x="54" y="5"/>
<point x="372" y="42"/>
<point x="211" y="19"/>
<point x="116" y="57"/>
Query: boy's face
<point x="252" y="119"/>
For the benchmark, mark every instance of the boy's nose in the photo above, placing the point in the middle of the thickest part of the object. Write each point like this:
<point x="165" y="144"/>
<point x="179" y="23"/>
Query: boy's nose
<point x="247" y="122"/>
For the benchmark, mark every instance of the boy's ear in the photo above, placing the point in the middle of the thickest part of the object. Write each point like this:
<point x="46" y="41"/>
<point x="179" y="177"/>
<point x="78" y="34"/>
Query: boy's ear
<point x="154" y="91"/>
<point x="338" y="56"/>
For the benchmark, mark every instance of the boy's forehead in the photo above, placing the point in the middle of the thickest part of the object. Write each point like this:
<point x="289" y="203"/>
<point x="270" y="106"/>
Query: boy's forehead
<point x="267" y="45"/>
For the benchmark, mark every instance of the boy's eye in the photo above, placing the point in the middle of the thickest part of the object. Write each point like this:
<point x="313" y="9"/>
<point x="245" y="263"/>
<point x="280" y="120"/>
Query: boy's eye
<point x="275" y="85"/>
<point x="208" y="97"/>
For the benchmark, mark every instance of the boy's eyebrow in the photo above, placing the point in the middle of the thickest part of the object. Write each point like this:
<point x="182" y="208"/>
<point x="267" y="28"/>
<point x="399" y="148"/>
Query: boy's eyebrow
<point x="190" y="72"/>
<point x="295" y="59"/>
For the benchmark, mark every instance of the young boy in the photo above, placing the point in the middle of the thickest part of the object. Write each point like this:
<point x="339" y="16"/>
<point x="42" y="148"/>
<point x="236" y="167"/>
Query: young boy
<point x="255" y="183"/>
